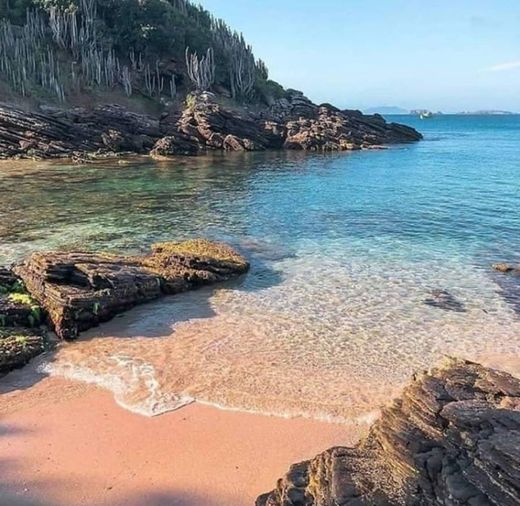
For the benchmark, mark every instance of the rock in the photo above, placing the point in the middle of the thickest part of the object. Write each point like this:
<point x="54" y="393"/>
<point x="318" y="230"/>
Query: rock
<point x="79" y="290"/>
<point x="444" y="300"/>
<point x="216" y="127"/>
<point x="293" y="122"/>
<point x="55" y="133"/>
<point x="18" y="346"/>
<point x="17" y="307"/>
<point x="173" y="145"/>
<point x="507" y="268"/>
<point x="452" y="438"/>
<point x="8" y="280"/>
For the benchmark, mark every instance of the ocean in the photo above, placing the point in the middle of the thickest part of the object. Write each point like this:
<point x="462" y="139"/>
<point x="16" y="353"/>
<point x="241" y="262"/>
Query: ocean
<point x="349" y="254"/>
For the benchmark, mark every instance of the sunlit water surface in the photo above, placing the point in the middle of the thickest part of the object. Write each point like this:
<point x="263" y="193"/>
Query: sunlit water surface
<point x="345" y="248"/>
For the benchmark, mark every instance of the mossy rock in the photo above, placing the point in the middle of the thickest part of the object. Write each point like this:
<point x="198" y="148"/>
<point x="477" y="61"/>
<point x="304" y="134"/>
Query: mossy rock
<point x="202" y="248"/>
<point x="19" y="309"/>
<point x="189" y="264"/>
<point x="18" y="346"/>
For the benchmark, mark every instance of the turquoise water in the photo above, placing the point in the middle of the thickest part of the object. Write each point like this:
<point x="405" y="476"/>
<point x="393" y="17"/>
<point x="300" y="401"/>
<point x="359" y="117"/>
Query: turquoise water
<point x="345" y="250"/>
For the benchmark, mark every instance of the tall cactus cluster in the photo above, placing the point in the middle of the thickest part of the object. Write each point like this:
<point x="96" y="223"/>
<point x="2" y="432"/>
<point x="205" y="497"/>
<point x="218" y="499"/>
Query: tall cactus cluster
<point x="66" y="47"/>
<point x="242" y="67"/>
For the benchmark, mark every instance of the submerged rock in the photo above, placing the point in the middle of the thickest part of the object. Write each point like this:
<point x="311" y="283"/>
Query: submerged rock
<point x="79" y="290"/>
<point x="507" y="268"/>
<point x="443" y="299"/>
<point x="18" y="346"/>
<point x="452" y="438"/>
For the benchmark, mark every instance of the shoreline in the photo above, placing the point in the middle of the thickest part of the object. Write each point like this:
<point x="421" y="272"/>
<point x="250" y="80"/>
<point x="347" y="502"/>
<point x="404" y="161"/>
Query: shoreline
<point x="195" y="455"/>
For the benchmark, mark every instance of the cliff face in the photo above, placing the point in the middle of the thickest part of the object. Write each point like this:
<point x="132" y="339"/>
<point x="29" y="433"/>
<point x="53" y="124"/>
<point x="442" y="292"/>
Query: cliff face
<point x="293" y="122"/>
<point x="453" y="438"/>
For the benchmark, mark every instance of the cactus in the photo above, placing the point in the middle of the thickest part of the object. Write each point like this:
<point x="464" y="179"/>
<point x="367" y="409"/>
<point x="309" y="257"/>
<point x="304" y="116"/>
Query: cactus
<point x="201" y="71"/>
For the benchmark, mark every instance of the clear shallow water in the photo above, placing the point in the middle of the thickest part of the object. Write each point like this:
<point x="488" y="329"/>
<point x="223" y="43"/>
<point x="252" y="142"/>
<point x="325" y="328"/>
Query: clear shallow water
<point x="345" y="248"/>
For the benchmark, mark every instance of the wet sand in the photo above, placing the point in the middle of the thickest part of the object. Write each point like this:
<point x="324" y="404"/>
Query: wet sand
<point x="64" y="443"/>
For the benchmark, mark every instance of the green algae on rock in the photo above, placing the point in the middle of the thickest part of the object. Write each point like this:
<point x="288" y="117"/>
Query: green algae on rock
<point x="18" y="346"/>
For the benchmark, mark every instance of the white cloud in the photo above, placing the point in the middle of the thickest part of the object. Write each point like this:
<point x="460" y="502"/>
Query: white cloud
<point x="503" y="66"/>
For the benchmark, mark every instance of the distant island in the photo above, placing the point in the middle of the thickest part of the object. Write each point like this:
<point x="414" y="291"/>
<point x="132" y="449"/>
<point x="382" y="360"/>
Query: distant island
<point x="487" y="112"/>
<point x="386" y="109"/>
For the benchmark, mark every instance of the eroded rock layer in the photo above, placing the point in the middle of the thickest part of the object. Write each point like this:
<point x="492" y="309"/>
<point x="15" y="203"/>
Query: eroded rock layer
<point x="452" y="438"/>
<point x="293" y="122"/>
<point x="79" y="290"/>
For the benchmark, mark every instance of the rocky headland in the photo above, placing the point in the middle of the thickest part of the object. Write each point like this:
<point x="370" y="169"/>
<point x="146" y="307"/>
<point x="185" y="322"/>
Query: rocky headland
<point x="203" y="125"/>
<point x="452" y="438"/>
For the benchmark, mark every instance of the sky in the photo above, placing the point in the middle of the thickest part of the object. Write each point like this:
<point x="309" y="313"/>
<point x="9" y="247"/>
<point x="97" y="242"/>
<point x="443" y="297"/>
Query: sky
<point x="448" y="55"/>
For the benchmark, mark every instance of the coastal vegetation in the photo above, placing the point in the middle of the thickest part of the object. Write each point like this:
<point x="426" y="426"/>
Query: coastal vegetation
<point x="156" y="49"/>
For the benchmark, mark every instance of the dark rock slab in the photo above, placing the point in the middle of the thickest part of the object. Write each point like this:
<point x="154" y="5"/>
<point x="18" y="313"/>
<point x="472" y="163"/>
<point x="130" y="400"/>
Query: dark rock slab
<point x="55" y="133"/>
<point x="79" y="290"/>
<point x="18" y="346"/>
<point x="443" y="299"/>
<point x="452" y="438"/>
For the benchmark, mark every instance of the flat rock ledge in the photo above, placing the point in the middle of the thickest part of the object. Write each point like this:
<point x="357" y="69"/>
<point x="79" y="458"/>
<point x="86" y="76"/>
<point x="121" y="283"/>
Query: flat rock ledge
<point x="204" y="125"/>
<point x="452" y="438"/>
<point x="79" y="290"/>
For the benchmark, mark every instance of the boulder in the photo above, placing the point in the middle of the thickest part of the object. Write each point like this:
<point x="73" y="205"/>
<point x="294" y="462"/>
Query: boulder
<point x="452" y="438"/>
<point x="79" y="290"/>
<point x="216" y="127"/>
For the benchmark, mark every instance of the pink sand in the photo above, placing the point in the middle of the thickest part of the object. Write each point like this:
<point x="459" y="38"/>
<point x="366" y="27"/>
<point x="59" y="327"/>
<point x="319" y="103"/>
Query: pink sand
<point x="64" y="443"/>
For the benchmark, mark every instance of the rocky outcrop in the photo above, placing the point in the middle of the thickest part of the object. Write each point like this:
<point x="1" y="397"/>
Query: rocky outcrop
<point x="79" y="290"/>
<point x="55" y="133"/>
<point x="452" y="438"/>
<point x="293" y="122"/>
<point x="20" y="317"/>
<point x="212" y="126"/>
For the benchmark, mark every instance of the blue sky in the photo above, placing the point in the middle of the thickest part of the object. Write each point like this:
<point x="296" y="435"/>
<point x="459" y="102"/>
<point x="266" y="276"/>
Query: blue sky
<point x="448" y="55"/>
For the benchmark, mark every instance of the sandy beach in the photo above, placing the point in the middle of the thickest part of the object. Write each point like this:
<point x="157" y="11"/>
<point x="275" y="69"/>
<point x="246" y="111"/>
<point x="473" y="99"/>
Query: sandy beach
<point x="64" y="443"/>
